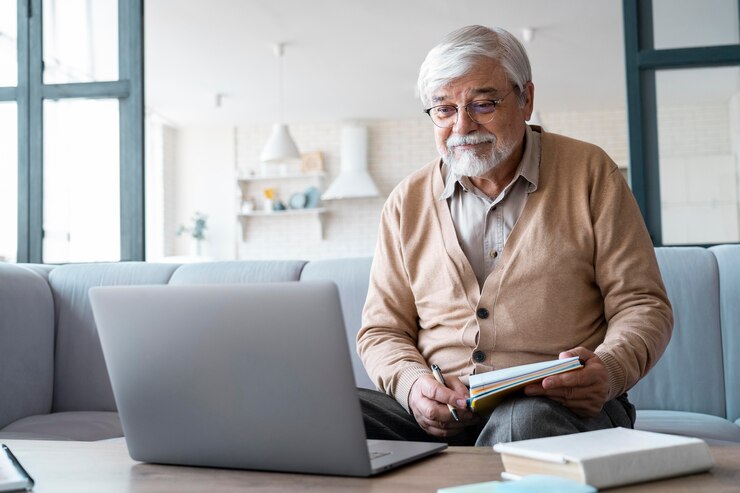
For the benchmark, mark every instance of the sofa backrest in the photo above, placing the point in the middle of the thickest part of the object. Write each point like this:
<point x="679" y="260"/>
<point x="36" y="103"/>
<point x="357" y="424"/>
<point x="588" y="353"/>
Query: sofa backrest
<point x="690" y="374"/>
<point x="80" y="377"/>
<point x="26" y="343"/>
<point x="728" y="260"/>
<point x="351" y="275"/>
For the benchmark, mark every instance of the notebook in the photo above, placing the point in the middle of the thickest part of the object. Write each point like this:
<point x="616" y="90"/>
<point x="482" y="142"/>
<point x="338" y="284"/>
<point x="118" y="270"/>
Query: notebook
<point x="254" y="376"/>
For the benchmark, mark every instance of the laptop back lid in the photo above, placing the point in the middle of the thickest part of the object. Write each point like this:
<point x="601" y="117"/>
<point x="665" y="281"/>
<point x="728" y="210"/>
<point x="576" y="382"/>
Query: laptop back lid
<point x="254" y="376"/>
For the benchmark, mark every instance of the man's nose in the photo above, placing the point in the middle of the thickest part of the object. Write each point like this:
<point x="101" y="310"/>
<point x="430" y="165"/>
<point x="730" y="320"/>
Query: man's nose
<point x="464" y="123"/>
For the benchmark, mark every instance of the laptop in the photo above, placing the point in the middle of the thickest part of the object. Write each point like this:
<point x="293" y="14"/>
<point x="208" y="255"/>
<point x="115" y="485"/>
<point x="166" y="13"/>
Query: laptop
<point x="253" y="376"/>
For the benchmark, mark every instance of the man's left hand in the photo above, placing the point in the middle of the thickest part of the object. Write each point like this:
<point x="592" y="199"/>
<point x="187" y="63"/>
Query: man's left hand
<point x="583" y="391"/>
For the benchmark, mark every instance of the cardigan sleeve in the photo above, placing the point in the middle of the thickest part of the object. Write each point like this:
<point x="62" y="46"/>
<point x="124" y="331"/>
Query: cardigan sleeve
<point x="387" y="341"/>
<point x="636" y="306"/>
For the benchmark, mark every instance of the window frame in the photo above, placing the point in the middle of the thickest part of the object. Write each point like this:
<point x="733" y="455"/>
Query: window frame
<point x="29" y="96"/>
<point x="642" y="61"/>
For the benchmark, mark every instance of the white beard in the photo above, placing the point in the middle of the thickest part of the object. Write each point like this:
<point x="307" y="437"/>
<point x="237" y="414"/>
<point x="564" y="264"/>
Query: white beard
<point x="472" y="164"/>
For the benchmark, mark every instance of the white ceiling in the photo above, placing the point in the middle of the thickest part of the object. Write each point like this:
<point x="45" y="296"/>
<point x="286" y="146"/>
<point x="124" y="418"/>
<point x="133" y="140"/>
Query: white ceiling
<point x="358" y="59"/>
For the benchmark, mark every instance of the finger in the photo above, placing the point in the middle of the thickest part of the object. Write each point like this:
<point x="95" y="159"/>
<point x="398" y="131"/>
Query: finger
<point x="583" y="353"/>
<point x="437" y="392"/>
<point x="438" y="429"/>
<point x="456" y="385"/>
<point x="571" y="393"/>
<point x="577" y="378"/>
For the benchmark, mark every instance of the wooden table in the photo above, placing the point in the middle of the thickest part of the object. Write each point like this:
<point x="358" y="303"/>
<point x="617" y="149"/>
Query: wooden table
<point x="106" y="467"/>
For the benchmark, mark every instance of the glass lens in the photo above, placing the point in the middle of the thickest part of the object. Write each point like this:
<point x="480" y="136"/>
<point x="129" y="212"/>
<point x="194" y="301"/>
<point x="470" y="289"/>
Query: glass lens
<point x="80" y="40"/>
<point x="699" y="154"/>
<point x="481" y="107"/>
<point x="8" y="182"/>
<point x="444" y="115"/>
<point x="81" y="181"/>
<point x="8" y="43"/>
<point x="692" y="24"/>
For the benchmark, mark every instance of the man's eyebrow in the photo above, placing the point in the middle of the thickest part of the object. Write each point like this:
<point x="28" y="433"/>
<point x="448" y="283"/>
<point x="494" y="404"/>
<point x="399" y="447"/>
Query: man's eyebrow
<point x="480" y="91"/>
<point x="486" y="90"/>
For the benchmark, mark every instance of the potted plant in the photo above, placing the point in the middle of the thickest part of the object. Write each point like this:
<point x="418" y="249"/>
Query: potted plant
<point x="196" y="230"/>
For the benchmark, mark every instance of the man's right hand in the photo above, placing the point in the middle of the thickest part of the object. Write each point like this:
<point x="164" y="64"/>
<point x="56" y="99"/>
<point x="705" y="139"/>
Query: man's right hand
<point x="428" y="401"/>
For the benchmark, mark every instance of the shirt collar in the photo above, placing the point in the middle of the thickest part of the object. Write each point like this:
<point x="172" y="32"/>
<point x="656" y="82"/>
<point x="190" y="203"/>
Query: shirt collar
<point x="529" y="168"/>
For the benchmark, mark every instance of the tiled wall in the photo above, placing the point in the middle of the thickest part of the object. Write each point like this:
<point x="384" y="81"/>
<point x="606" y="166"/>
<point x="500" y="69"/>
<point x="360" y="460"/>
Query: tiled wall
<point x="698" y="175"/>
<point x="349" y="227"/>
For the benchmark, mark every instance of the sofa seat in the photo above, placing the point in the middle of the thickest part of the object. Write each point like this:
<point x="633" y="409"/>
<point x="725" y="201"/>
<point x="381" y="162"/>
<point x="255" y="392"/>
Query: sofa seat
<point x="72" y="425"/>
<point x="704" y="426"/>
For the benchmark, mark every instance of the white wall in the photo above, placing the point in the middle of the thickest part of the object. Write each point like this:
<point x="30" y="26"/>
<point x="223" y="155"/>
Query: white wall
<point x="203" y="181"/>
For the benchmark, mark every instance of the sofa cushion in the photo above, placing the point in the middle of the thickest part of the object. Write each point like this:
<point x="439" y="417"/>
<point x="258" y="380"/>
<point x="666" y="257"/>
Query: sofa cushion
<point x="76" y="425"/>
<point x="80" y="377"/>
<point x="689" y="376"/>
<point x="689" y="424"/>
<point x="238" y="272"/>
<point x="351" y="275"/>
<point x="26" y="343"/>
<point x="728" y="260"/>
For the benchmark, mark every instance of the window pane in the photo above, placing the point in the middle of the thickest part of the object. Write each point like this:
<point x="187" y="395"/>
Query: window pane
<point x="688" y="23"/>
<point x="8" y="36"/>
<point x="699" y="152"/>
<point x="80" y="40"/>
<point x="8" y="182"/>
<point x="81" y="181"/>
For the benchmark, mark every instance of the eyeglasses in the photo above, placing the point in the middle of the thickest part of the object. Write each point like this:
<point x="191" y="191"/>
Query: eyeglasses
<point x="480" y="111"/>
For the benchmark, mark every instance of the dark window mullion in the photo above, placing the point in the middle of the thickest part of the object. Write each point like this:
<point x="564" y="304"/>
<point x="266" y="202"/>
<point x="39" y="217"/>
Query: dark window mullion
<point x="708" y="56"/>
<point x="35" y="134"/>
<point x="131" y="114"/>
<point x="8" y="93"/>
<point x="115" y="89"/>
<point x="641" y="114"/>
<point x="23" y="248"/>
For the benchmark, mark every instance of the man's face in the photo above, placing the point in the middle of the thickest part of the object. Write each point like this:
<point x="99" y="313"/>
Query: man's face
<point x="473" y="149"/>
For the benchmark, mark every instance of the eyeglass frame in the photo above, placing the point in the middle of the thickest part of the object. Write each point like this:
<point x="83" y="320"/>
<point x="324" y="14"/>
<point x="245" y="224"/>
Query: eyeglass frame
<point x="495" y="103"/>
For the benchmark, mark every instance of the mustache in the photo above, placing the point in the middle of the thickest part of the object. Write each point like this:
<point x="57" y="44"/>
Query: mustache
<point x="468" y="139"/>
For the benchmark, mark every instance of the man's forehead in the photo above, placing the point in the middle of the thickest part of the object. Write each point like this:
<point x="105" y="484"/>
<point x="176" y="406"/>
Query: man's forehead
<point x="484" y="79"/>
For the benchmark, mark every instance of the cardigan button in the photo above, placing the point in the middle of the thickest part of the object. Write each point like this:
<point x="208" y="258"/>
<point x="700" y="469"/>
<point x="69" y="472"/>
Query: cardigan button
<point x="479" y="356"/>
<point x="482" y="313"/>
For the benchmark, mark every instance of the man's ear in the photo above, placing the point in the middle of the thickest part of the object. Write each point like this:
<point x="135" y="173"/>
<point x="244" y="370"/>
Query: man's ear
<point x="529" y="100"/>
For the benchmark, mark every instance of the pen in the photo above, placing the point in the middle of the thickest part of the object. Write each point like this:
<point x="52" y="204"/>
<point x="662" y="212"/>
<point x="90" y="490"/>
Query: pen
<point x="438" y="375"/>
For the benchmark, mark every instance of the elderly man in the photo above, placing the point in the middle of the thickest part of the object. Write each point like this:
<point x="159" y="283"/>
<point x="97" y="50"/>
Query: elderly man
<point x="516" y="246"/>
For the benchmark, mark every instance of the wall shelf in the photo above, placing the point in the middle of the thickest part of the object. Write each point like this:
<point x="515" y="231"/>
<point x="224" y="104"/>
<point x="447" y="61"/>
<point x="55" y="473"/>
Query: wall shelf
<point x="286" y="176"/>
<point x="286" y="185"/>
<point x="287" y="212"/>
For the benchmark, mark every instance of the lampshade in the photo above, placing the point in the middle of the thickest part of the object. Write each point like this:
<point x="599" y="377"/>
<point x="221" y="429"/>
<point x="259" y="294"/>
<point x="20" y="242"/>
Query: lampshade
<point x="353" y="181"/>
<point x="280" y="146"/>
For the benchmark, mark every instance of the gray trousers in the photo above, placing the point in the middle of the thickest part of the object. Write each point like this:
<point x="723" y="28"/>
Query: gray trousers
<point x="517" y="418"/>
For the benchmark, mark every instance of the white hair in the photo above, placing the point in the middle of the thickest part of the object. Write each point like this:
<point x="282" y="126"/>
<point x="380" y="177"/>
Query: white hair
<point x="461" y="50"/>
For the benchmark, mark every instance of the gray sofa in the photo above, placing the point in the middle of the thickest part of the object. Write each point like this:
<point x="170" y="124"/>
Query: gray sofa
<point x="54" y="384"/>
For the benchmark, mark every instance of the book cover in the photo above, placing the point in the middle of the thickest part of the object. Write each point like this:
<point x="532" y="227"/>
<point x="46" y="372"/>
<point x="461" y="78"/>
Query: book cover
<point x="488" y="389"/>
<point x="607" y="458"/>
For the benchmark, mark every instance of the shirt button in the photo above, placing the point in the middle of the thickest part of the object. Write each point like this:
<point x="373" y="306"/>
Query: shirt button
<point x="493" y="254"/>
<point x="482" y="313"/>
<point x="479" y="356"/>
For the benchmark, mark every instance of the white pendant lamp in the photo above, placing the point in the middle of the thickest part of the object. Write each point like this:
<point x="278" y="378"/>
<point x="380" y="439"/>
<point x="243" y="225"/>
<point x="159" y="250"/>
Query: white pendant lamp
<point x="280" y="145"/>
<point x="353" y="181"/>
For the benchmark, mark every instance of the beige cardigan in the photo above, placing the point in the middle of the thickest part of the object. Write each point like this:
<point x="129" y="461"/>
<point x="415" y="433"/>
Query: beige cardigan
<point x="579" y="269"/>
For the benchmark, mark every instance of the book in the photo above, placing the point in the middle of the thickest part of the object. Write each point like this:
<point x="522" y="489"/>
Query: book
<point x="488" y="389"/>
<point x="607" y="458"/>
<point x="12" y="475"/>
<point x="531" y="484"/>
